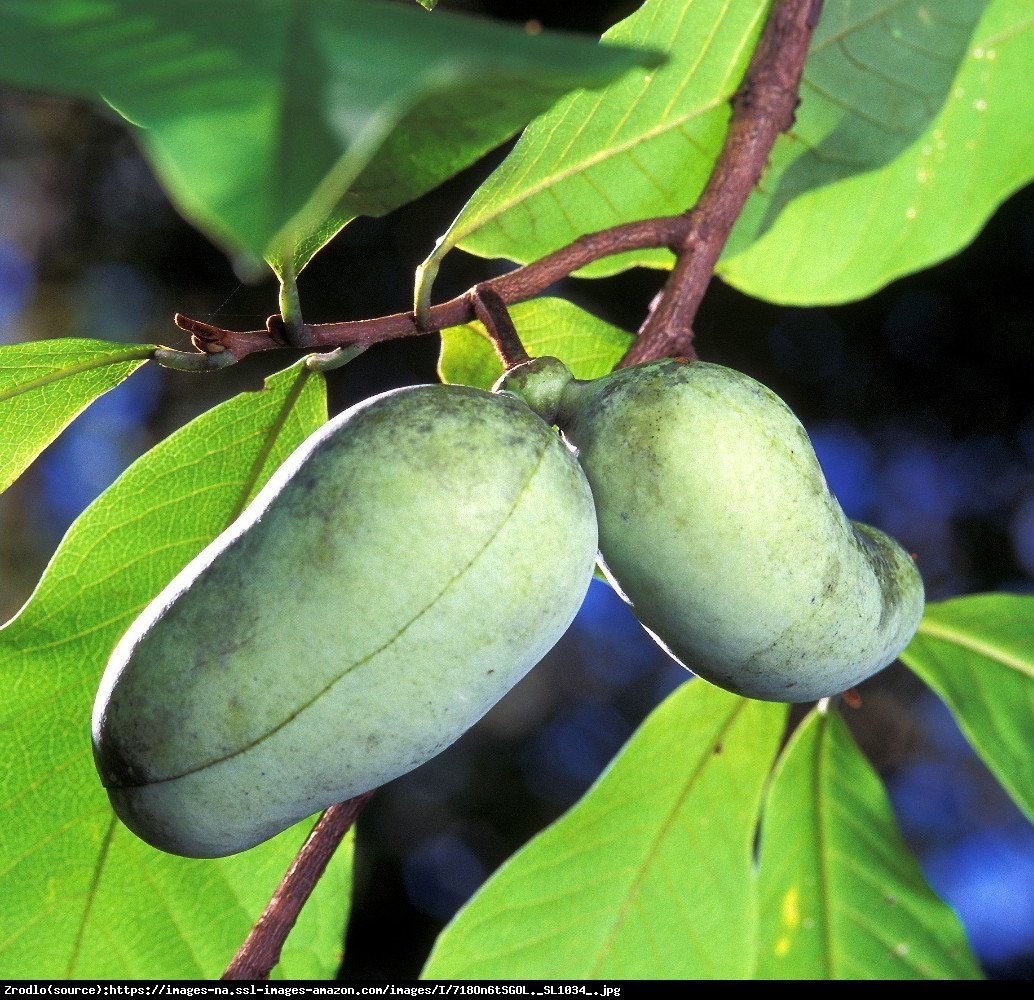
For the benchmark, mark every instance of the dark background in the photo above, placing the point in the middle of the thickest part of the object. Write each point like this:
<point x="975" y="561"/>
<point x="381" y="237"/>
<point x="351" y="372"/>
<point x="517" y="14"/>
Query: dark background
<point x="918" y="401"/>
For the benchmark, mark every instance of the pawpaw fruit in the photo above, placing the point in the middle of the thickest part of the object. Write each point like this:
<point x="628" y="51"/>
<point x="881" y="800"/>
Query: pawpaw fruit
<point x="717" y="526"/>
<point x="408" y="564"/>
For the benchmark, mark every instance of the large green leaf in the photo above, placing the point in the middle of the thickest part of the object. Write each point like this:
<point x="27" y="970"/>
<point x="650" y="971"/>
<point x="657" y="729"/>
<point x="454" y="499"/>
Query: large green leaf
<point x="587" y="345"/>
<point x="640" y="147"/>
<point x="954" y="106"/>
<point x="82" y="896"/>
<point x="977" y="653"/>
<point x="841" y="896"/>
<point x="650" y="875"/>
<point x="916" y="121"/>
<point x="272" y="124"/>
<point x="46" y="384"/>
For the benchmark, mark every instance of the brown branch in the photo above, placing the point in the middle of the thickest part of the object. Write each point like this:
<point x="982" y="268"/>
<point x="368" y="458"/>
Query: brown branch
<point x="516" y="286"/>
<point x="763" y="107"/>
<point x="261" y="949"/>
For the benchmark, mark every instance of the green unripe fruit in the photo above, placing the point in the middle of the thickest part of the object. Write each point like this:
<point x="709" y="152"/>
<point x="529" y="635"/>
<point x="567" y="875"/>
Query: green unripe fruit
<point x="399" y="574"/>
<point x="717" y="526"/>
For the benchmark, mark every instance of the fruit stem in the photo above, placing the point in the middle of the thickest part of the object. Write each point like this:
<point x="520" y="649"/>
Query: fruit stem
<point x="491" y="310"/>
<point x="261" y="949"/>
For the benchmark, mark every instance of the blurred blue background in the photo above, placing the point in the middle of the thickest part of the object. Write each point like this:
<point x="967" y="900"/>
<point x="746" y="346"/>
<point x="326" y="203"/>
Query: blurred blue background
<point x="918" y="401"/>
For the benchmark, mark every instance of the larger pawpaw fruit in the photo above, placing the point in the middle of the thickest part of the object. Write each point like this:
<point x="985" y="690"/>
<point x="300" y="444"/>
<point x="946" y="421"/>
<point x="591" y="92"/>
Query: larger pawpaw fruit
<point x="397" y="576"/>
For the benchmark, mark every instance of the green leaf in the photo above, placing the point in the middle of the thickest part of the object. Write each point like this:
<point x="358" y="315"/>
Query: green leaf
<point x="642" y="146"/>
<point x="46" y="384"/>
<point x="841" y="896"/>
<point x="650" y="875"/>
<point x="977" y="653"/>
<point x="914" y="127"/>
<point x="916" y="121"/>
<point x="82" y="896"/>
<point x="587" y="345"/>
<point x="428" y="4"/>
<point x="273" y="124"/>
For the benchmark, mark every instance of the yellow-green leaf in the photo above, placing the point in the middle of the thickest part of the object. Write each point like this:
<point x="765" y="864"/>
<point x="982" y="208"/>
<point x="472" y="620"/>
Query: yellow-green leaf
<point x="841" y="896"/>
<point x="83" y="897"/>
<point x="641" y="146"/>
<point x="977" y="653"/>
<point x="588" y="346"/>
<point x="46" y="384"/>
<point x="917" y="121"/>
<point x="650" y="876"/>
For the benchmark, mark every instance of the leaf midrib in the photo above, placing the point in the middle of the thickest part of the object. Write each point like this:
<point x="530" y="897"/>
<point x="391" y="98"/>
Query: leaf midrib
<point x="140" y="354"/>
<point x="821" y="843"/>
<point x="453" y="239"/>
<point x="285" y="148"/>
<point x="705" y="758"/>
<point x="269" y="443"/>
<point x="981" y="647"/>
<point x="91" y="895"/>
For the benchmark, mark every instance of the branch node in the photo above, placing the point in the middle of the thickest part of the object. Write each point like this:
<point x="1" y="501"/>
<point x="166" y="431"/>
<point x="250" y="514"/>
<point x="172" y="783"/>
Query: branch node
<point x="206" y="346"/>
<point x="277" y="330"/>
<point x="204" y="336"/>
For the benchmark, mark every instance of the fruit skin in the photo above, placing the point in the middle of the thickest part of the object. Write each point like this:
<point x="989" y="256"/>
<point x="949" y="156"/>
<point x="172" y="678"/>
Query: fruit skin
<point x="717" y="526"/>
<point x="409" y="563"/>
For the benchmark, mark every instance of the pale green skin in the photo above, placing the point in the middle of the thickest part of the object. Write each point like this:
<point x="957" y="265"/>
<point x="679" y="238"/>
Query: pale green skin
<point x="404" y="569"/>
<point x="717" y="526"/>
